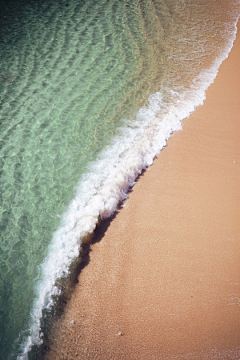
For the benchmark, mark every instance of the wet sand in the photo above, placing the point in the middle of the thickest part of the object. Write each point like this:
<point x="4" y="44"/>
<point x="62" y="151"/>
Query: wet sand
<point x="163" y="282"/>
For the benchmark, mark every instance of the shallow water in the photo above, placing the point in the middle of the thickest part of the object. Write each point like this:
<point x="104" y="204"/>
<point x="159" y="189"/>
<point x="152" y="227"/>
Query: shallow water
<point x="78" y="126"/>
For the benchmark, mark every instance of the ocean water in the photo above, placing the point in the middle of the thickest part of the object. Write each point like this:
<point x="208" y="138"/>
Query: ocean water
<point x="90" y="91"/>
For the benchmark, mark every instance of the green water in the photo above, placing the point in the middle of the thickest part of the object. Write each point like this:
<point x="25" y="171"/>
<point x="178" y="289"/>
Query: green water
<point x="69" y="73"/>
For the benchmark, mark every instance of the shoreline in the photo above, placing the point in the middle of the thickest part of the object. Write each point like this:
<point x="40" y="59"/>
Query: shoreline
<point x="164" y="280"/>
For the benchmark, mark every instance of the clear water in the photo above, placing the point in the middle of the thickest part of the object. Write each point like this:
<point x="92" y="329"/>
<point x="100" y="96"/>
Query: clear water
<point x="78" y="125"/>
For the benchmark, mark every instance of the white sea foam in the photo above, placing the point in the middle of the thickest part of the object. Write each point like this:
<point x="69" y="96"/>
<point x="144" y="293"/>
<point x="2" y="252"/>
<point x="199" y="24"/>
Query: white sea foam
<point x="100" y="190"/>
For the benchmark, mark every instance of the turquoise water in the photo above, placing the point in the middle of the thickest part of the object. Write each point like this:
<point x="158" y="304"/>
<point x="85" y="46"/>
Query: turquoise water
<point x="90" y="91"/>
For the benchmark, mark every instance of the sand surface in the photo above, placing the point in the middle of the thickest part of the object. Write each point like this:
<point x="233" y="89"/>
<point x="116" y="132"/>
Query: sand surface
<point x="163" y="282"/>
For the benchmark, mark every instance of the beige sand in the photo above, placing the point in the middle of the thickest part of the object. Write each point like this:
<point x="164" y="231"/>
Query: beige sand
<point x="164" y="281"/>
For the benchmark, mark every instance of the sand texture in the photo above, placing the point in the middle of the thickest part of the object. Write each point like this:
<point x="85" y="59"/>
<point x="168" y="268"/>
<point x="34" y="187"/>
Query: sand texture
<point x="163" y="281"/>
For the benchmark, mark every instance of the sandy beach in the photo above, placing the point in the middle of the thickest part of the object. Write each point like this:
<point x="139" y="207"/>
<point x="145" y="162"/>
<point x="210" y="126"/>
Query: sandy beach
<point x="163" y="279"/>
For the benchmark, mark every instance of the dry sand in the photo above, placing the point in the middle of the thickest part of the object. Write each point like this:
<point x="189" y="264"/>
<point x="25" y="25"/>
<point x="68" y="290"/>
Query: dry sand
<point x="164" y="281"/>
